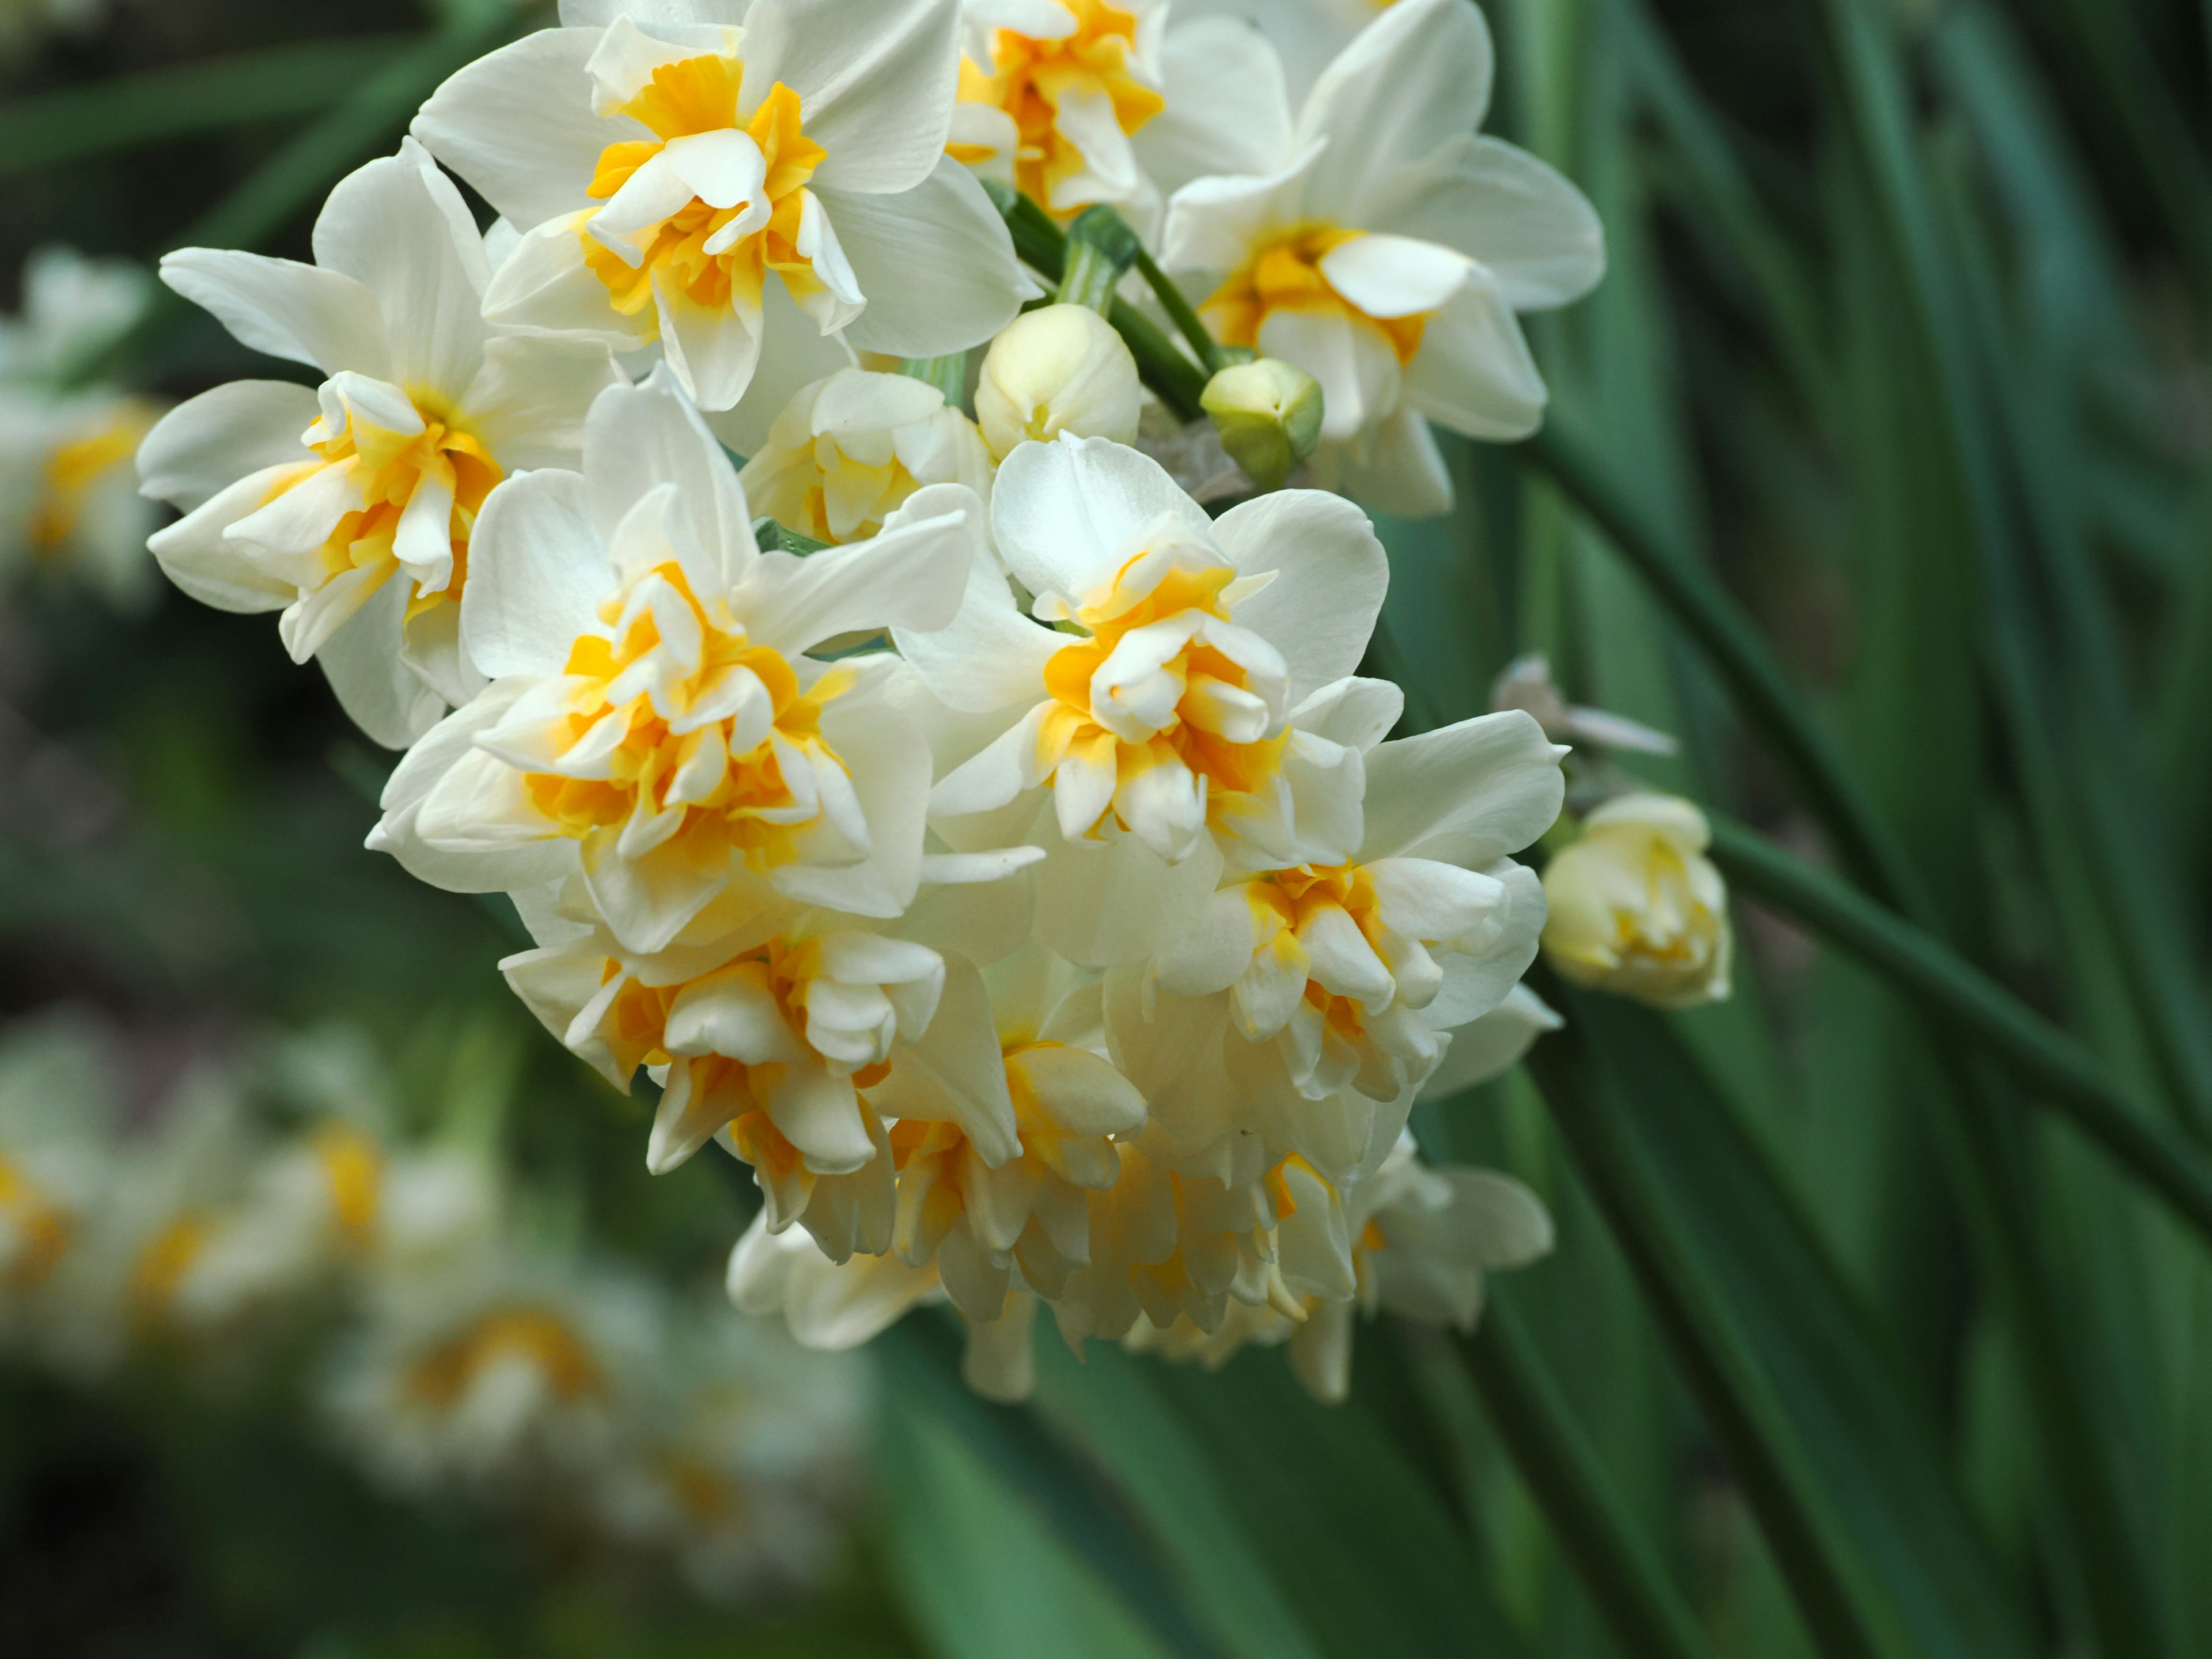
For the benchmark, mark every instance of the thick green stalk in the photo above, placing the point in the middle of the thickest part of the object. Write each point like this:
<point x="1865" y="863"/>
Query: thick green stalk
<point x="1042" y="246"/>
<point x="948" y="375"/>
<point x="1594" y="1530"/>
<point x="2060" y="1071"/>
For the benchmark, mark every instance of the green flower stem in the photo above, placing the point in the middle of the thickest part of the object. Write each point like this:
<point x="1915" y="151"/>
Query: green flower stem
<point x="1593" y="1529"/>
<point x="2062" y="1073"/>
<point x="1099" y="250"/>
<point x="773" y="537"/>
<point x="127" y="110"/>
<point x="1713" y="618"/>
<point x="948" y="375"/>
<point x="1211" y="352"/>
<point x="1042" y="246"/>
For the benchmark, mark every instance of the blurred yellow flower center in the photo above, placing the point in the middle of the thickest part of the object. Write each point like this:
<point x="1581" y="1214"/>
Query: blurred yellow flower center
<point x="40" y="1232"/>
<point x="1031" y="76"/>
<point x="162" y="1264"/>
<point x="746" y="802"/>
<point x="74" y="468"/>
<point x="355" y="1168"/>
<point x="1072" y="727"/>
<point x="1284" y="274"/>
<point x="541" y="1339"/>
<point x="711" y="255"/>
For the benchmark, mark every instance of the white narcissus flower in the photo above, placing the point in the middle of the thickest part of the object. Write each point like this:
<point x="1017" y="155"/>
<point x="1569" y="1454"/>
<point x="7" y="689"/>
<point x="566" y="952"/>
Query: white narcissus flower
<point x="1297" y="990"/>
<point x="1387" y="252"/>
<point x="669" y="164"/>
<point x="1076" y="101"/>
<point x="1170" y="707"/>
<point x="352" y="509"/>
<point x="769" y="1048"/>
<point x="1423" y="1239"/>
<point x="1059" y="369"/>
<point x="654" y="722"/>
<point x="1638" y="908"/>
<point x="991" y="1221"/>
<point x="847" y="451"/>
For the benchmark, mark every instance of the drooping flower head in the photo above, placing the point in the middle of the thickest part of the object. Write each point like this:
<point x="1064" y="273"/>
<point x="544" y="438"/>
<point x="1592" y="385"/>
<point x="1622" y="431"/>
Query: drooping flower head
<point x="1638" y="908"/>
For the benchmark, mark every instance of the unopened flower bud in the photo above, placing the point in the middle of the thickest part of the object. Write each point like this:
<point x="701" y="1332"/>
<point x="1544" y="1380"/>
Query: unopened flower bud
<point x="1059" y="369"/>
<point x="1636" y="907"/>
<point x="1268" y="413"/>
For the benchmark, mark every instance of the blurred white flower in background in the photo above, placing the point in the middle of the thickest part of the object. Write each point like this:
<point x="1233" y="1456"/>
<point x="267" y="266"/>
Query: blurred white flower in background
<point x="68" y="490"/>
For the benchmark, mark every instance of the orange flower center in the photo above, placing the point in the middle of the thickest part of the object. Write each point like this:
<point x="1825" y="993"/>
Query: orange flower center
<point x="42" y="1230"/>
<point x="541" y="1339"/>
<point x="698" y="95"/>
<point x="740" y="803"/>
<point x="1030" y="77"/>
<point x="1285" y="275"/>
<point x="1070" y="727"/>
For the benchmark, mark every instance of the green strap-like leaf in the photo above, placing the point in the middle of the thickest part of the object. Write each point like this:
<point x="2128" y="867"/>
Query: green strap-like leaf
<point x="1592" y="1526"/>
<point x="1832" y="1444"/>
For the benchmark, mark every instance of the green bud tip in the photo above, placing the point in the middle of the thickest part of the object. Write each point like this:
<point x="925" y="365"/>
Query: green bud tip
<point x="1268" y="414"/>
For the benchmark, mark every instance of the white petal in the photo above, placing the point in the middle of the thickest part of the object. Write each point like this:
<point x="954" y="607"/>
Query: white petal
<point x="711" y="348"/>
<point x="207" y="443"/>
<point x="1491" y="1044"/>
<point x="400" y="227"/>
<point x="1227" y="109"/>
<point x="641" y="437"/>
<point x="1395" y="275"/>
<point x="935" y="263"/>
<point x="1063" y="512"/>
<point x="537" y="571"/>
<point x="1415" y="78"/>
<point x="1531" y="228"/>
<point x="989" y="655"/>
<point x="911" y="575"/>
<point x="517" y="125"/>
<point x="1473" y="373"/>
<point x="544" y="287"/>
<point x="875" y="80"/>
<point x="1469" y="793"/>
<point x="528" y="404"/>
<point x="375" y="688"/>
<point x="197" y="554"/>
<point x="284" y="308"/>
<point x="1320" y="611"/>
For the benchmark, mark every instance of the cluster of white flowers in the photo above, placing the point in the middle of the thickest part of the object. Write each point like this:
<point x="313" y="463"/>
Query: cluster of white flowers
<point x="473" y="1350"/>
<point x="1000" y="854"/>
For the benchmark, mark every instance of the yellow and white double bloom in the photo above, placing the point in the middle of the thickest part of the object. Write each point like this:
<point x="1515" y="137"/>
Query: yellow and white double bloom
<point x="1312" y="1002"/>
<point x="1387" y="251"/>
<point x="352" y="508"/>
<point x="654" y="722"/>
<point x="1157" y="692"/>
<point x="847" y="451"/>
<point x="689" y="174"/>
<point x="1637" y="907"/>
<point x="1077" y="102"/>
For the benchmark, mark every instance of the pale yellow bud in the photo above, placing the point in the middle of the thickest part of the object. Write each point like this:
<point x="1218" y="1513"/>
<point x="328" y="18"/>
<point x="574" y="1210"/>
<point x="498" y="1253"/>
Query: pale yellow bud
<point x="1059" y="369"/>
<point x="1268" y="413"/>
<point x="1636" y="908"/>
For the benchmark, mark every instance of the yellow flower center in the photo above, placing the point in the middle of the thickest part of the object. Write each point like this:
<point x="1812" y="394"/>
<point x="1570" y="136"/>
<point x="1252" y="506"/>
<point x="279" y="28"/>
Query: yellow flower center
<point x="1288" y="899"/>
<point x="42" y="1230"/>
<point x="74" y="468"/>
<point x="389" y="467"/>
<point x="1284" y="274"/>
<point x="1070" y="727"/>
<point x="741" y="802"/>
<point x="541" y="1339"/>
<point x="699" y="95"/>
<point x="1030" y="77"/>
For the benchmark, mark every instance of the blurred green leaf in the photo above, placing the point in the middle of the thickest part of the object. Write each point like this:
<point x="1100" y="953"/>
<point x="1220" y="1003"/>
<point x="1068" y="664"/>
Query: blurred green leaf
<point x="1832" y="1445"/>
